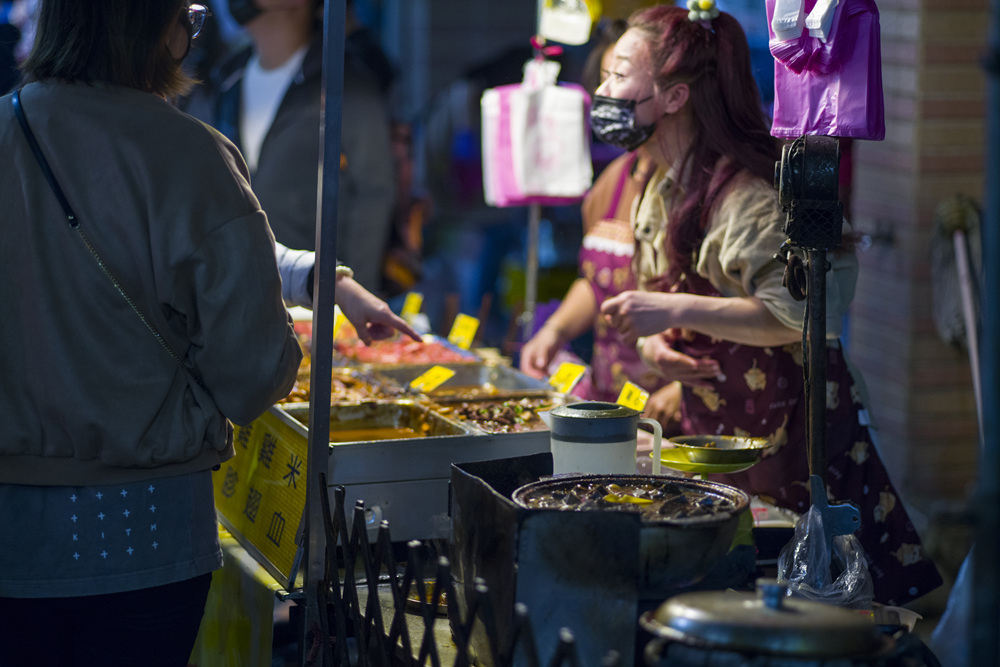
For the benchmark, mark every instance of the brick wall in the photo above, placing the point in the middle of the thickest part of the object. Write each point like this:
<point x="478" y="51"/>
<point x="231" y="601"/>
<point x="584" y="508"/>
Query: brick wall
<point x="921" y="388"/>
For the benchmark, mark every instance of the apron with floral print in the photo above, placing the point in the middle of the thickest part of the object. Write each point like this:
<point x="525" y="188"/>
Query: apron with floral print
<point x="605" y="261"/>
<point x="760" y="393"/>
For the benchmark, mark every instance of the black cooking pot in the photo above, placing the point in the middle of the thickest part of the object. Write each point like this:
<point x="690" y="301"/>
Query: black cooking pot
<point x="674" y="551"/>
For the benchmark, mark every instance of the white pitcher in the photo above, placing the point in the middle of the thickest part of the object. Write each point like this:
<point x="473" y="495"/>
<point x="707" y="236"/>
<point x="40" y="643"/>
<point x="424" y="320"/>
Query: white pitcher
<point x="598" y="438"/>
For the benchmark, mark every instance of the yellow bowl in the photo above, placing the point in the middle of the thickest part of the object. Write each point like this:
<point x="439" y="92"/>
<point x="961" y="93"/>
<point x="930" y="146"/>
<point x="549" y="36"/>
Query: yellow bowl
<point x="674" y="458"/>
<point x="728" y="449"/>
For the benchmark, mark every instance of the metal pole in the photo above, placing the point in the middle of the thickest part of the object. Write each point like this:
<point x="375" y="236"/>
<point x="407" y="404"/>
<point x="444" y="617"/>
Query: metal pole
<point x="816" y="384"/>
<point x="323" y="316"/>
<point x="531" y="272"/>
<point x="985" y="642"/>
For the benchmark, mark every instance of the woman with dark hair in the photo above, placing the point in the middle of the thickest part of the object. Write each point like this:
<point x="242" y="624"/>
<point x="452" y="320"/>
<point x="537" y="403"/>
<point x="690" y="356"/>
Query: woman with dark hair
<point x="707" y="228"/>
<point x="134" y="329"/>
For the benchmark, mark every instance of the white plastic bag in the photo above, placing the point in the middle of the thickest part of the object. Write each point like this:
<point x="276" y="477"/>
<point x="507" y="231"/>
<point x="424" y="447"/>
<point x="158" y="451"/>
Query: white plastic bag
<point x="565" y="21"/>
<point x="836" y="574"/>
<point x="536" y="140"/>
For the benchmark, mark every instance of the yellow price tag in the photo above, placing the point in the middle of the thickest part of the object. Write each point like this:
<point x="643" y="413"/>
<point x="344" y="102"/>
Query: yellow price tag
<point x="633" y="396"/>
<point x="412" y="305"/>
<point x="463" y="331"/>
<point x="431" y="379"/>
<point x="566" y="376"/>
<point x="339" y="320"/>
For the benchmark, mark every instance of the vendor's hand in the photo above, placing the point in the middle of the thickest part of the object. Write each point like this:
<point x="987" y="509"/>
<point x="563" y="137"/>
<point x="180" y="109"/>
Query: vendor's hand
<point x="664" y="405"/>
<point x="371" y="316"/>
<point x="539" y="351"/>
<point x="674" y="365"/>
<point x="636" y="314"/>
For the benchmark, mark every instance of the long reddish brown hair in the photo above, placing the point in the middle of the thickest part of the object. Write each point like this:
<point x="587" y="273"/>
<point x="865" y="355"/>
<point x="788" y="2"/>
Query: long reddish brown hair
<point x="731" y="131"/>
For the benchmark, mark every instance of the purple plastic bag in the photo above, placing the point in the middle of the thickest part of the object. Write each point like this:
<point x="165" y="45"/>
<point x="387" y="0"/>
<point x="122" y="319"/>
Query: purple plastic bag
<point x="831" y="88"/>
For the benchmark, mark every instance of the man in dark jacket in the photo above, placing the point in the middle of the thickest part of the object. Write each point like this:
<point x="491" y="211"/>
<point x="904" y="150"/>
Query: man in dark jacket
<point x="266" y="99"/>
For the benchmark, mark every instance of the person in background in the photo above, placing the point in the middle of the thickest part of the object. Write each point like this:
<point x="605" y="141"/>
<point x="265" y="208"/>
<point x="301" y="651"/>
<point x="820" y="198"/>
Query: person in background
<point x="708" y="227"/>
<point x="605" y="267"/>
<point x="266" y="99"/>
<point x="108" y="443"/>
<point x="9" y="37"/>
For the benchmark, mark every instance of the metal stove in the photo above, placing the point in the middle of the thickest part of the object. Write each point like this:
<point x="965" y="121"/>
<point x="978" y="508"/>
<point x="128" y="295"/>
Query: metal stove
<point x="578" y="570"/>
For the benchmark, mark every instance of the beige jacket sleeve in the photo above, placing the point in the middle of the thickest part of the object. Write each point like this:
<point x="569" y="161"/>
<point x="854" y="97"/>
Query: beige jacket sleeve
<point x="737" y="256"/>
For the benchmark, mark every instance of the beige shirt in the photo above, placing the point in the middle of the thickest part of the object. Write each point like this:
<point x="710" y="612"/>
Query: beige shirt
<point x="737" y="255"/>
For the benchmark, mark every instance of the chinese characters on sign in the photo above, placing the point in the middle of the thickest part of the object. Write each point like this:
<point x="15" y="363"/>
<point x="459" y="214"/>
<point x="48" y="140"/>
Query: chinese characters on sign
<point x="261" y="491"/>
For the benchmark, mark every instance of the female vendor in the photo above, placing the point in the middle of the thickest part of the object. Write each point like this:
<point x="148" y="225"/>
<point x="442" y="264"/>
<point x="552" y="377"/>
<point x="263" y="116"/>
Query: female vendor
<point x="707" y="229"/>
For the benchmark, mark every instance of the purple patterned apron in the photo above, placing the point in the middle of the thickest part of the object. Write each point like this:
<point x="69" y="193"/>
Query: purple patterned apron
<point x="761" y="394"/>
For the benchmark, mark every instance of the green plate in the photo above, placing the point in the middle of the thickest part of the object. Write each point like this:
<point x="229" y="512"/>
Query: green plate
<point x="676" y="459"/>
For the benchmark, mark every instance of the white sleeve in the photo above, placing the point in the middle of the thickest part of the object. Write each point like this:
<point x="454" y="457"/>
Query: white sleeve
<point x="294" y="267"/>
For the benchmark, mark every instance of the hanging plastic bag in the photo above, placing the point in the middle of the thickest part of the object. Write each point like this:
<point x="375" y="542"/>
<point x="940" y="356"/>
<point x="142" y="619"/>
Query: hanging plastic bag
<point x="814" y="571"/>
<point x="565" y="21"/>
<point x="536" y="140"/>
<point x="828" y="82"/>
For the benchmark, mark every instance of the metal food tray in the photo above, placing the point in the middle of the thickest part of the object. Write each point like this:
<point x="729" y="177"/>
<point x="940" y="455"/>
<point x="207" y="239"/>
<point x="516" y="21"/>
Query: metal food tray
<point x="553" y="397"/>
<point x="406" y="480"/>
<point x="498" y="379"/>
<point x="381" y="414"/>
<point x="469" y="357"/>
<point x="361" y="374"/>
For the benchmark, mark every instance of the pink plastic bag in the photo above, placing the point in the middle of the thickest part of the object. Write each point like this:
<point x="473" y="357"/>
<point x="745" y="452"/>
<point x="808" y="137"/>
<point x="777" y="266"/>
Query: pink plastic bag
<point x="536" y="146"/>
<point x="831" y="88"/>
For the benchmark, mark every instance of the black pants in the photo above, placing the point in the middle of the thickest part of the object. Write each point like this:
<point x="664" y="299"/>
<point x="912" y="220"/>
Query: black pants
<point x="152" y="627"/>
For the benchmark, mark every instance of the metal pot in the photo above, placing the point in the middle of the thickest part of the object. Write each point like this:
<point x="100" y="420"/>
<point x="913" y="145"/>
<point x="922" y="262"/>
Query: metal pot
<point x="673" y="552"/>
<point x="765" y="623"/>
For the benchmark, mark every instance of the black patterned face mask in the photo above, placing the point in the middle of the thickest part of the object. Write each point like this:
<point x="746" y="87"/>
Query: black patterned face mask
<point x="613" y="122"/>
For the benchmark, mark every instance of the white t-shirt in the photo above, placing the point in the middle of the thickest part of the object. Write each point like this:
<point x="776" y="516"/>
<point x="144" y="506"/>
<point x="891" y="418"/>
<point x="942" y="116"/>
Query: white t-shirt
<point x="263" y="90"/>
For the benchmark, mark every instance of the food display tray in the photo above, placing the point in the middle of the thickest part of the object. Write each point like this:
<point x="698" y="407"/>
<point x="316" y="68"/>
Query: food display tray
<point x="470" y="380"/>
<point x="377" y="421"/>
<point x="485" y="413"/>
<point x="348" y="385"/>
<point x="405" y="481"/>
<point x="402" y="352"/>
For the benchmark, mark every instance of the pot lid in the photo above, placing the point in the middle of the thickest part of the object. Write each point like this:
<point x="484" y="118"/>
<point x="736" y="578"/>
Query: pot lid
<point x="765" y="622"/>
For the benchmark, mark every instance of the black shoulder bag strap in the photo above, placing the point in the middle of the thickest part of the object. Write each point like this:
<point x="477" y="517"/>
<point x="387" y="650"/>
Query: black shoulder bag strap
<point x="74" y="224"/>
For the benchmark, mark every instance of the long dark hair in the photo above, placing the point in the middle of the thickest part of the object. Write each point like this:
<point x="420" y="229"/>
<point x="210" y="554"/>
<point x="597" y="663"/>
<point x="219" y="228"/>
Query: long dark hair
<point x="112" y="41"/>
<point x="608" y="32"/>
<point x="731" y="130"/>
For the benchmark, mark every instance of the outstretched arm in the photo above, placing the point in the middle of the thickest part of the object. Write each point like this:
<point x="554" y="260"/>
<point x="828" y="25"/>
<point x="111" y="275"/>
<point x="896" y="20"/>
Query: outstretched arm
<point x="743" y="320"/>
<point x="572" y="318"/>
<point x="371" y="316"/>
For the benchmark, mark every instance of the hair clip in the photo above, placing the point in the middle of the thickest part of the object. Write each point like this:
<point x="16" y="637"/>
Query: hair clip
<point x="702" y="11"/>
